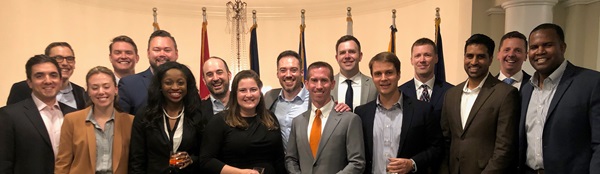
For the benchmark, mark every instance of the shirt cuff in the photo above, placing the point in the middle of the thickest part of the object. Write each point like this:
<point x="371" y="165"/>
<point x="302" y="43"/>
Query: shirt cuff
<point x="414" y="164"/>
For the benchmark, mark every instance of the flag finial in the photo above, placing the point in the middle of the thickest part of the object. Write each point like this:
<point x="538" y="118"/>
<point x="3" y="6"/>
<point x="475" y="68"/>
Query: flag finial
<point x="204" y="13"/>
<point x="349" y="11"/>
<point x="155" y="14"/>
<point x="254" y="16"/>
<point x="437" y="12"/>
<point x="394" y="18"/>
<point x="302" y="17"/>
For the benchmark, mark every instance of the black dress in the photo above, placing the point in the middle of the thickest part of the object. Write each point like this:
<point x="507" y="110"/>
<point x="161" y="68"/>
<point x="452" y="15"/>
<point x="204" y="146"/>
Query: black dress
<point x="253" y="147"/>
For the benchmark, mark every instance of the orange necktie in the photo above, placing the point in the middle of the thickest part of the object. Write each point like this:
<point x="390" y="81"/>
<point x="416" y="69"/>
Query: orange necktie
<point x="315" y="133"/>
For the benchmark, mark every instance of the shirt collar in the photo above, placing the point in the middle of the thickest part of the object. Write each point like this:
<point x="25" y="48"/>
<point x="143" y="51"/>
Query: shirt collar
<point x="397" y="104"/>
<point x="68" y="89"/>
<point x="429" y="83"/>
<point x="325" y="110"/>
<point x="215" y="100"/>
<point x="90" y="116"/>
<point x="302" y="95"/>
<point x="41" y="105"/>
<point x="355" y="79"/>
<point x="476" y="89"/>
<point x="554" y="77"/>
<point x="518" y="77"/>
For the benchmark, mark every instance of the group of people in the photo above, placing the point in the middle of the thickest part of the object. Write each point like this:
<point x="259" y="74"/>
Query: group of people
<point x="347" y="122"/>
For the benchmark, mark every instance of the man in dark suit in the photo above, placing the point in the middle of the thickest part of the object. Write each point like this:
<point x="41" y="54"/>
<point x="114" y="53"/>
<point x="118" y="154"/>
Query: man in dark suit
<point x="401" y="134"/>
<point x="425" y="86"/>
<point x="323" y="140"/>
<point x="30" y="129"/>
<point x="480" y="116"/>
<point x="70" y="93"/>
<point x="511" y="54"/>
<point x="559" y="130"/>
<point x="133" y="89"/>
<point x="216" y="76"/>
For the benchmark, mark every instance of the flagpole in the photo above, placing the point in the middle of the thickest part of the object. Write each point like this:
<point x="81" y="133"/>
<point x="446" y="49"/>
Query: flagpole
<point x="204" y="55"/>
<point x="393" y="30"/>
<point x="440" y="70"/>
<point x="438" y="20"/>
<point x="349" y="20"/>
<point x="302" y="49"/>
<point x="155" y="14"/>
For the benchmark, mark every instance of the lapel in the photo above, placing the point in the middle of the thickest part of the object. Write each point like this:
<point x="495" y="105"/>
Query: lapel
<point x="117" y="145"/>
<point x="90" y="135"/>
<point x="302" y="133"/>
<point x="330" y="125"/>
<point x="436" y="92"/>
<point x="334" y="92"/>
<point x="407" y="115"/>
<point x="147" y="78"/>
<point x="525" y="80"/>
<point x="486" y="91"/>
<point x="160" y="125"/>
<point x="35" y="117"/>
<point x="366" y="88"/>
<point x="454" y="97"/>
<point x="369" y="120"/>
<point x="79" y="95"/>
<point x="562" y="87"/>
<point x="271" y="98"/>
<point x="410" y="90"/>
<point x="188" y="129"/>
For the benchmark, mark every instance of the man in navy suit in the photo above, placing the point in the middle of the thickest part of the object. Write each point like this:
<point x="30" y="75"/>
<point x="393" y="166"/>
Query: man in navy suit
<point x="511" y="54"/>
<point x="30" y="129"/>
<point x="425" y="86"/>
<point x="559" y="131"/>
<point x="133" y="89"/>
<point x="401" y="134"/>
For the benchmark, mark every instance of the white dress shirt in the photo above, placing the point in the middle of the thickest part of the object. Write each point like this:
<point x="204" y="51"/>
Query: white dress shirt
<point x="468" y="99"/>
<point x="429" y="84"/>
<point x="518" y="77"/>
<point x="325" y="111"/>
<point x="356" y="89"/>
<point x="53" y="119"/>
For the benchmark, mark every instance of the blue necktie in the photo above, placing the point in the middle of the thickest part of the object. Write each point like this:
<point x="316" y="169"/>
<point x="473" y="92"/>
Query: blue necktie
<point x="425" y="94"/>
<point x="508" y="81"/>
<point x="349" y="94"/>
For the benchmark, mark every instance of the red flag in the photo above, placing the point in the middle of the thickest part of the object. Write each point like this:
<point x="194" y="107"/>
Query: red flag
<point x="204" y="55"/>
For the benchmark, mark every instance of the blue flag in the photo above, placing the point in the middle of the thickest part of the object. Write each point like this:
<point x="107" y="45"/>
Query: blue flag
<point x="440" y="70"/>
<point x="254" y="50"/>
<point x="302" y="50"/>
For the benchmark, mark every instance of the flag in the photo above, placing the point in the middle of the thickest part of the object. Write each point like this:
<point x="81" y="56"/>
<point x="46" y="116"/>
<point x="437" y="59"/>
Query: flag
<point x="392" y="46"/>
<point x="349" y="27"/>
<point x="302" y="49"/>
<point x="254" y="50"/>
<point x="440" y="70"/>
<point x="204" y="55"/>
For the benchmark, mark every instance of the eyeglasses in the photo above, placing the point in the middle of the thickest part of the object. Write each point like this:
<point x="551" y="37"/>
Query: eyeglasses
<point x="60" y="59"/>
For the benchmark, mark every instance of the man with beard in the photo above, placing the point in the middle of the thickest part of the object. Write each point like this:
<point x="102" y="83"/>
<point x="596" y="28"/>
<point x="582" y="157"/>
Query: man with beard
<point x="123" y="56"/>
<point x="70" y="93"/>
<point x="480" y="116"/>
<point x="511" y="54"/>
<point x="216" y="76"/>
<point x="133" y="89"/>
<point x="355" y="88"/>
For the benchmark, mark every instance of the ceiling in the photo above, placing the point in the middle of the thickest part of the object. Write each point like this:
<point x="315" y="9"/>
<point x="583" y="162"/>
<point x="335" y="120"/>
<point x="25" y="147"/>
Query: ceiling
<point x="264" y="8"/>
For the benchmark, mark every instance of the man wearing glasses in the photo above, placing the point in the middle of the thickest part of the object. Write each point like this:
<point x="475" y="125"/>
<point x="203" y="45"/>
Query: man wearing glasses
<point x="70" y="94"/>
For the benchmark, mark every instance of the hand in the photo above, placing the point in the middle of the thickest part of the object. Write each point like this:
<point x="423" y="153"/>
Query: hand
<point x="185" y="158"/>
<point x="399" y="165"/>
<point x="341" y="107"/>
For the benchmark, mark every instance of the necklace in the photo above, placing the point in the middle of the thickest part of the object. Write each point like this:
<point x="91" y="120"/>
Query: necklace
<point x="174" y="117"/>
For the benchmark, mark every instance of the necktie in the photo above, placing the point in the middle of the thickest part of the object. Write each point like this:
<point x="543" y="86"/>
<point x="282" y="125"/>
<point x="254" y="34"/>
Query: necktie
<point x="425" y="94"/>
<point x="508" y="81"/>
<point x="349" y="94"/>
<point x="315" y="133"/>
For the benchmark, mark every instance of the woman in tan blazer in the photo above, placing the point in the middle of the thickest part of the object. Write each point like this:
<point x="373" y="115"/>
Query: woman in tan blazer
<point x="96" y="139"/>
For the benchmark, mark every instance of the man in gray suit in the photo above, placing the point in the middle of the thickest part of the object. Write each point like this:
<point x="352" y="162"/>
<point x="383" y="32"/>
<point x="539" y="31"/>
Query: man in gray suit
<point x="355" y="88"/>
<point x="323" y="140"/>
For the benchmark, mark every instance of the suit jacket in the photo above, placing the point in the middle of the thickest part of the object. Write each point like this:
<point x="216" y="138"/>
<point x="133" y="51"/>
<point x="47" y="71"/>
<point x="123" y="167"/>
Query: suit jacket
<point x="77" y="150"/>
<point x="525" y="80"/>
<point x="341" y="148"/>
<point x="133" y="91"/>
<point x="487" y="144"/>
<point x="271" y="97"/>
<point x="149" y="146"/>
<point x="21" y="91"/>
<point x="25" y="146"/>
<point x="206" y="109"/>
<point x="571" y="134"/>
<point x="420" y="136"/>
<point x="368" y="91"/>
<point x="437" y="93"/>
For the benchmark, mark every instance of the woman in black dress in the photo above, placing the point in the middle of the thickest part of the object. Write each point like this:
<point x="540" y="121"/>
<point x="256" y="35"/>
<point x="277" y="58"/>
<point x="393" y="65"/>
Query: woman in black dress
<point x="246" y="136"/>
<point x="169" y="126"/>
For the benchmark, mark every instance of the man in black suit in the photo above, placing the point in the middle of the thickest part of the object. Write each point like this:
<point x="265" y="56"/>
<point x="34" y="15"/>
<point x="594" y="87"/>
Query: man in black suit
<point x="216" y="76"/>
<point x="401" y="134"/>
<point x="511" y="54"/>
<point x="30" y="129"/>
<point x="70" y="93"/>
<point x="559" y="131"/>
<point x="425" y="86"/>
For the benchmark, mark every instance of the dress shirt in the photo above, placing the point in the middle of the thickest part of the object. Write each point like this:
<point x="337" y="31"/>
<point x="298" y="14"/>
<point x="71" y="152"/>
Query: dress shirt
<point x="53" y="119"/>
<point x="419" y="90"/>
<point x="468" y="99"/>
<point x="117" y="78"/>
<point x="104" y="142"/>
<point x="518" y="77"/>
<point x="387" y="127"/>
<point x="287" y="110"/>
<point x="325" y="111"/>
<point x="537" y="112"/>
<point x="217" y="105"/>
<point x="67" y="97"/>
<point x="178" y="134"/>
<point x="356" y="89"/>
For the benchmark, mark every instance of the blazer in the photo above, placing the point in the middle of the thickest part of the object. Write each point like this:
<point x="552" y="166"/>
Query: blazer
<point x="149" y="146"/>
<point x="487" y="144"/>
<point x="437" y="93"/>
<point x="420" y="135"/>
<point x="22" y="132"/>
<point x="341" y="148"/>
<point x="525" y="80"/>
<point x="133" y="91"/>
<point x="77" y="150"/>
<point x="571" y="133"/>
<point x="206" y="109"/>
<point x="21" y="91"/>
<point x="271" y="98"/>
<point x="368" y="91"/>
